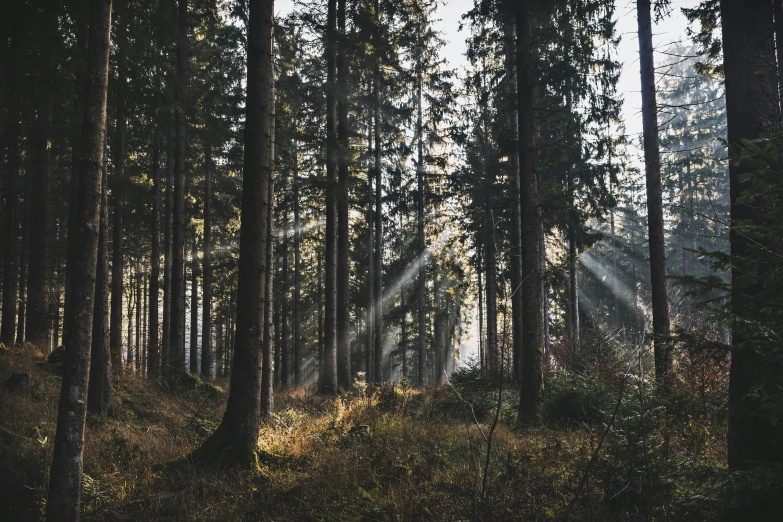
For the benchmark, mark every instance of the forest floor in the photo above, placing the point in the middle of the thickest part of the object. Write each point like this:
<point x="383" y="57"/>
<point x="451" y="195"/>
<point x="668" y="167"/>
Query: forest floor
<point x="393" y="453"/>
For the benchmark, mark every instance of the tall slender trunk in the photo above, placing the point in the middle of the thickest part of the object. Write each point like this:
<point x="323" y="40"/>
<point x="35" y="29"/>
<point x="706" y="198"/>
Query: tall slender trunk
<point x="369" y="366"/>
<point x="236" y="438"/>
<point x="177" y="319"/>
<point x="343" y="240"/>
<point x="153" y="346"/>
<point x="165" y="348"/>
<point x="12" y="137"/>
<point x="544" y="293"/>
<point x="492" y="353"/>
<point x="378" y="216"/>
<point x="752" y="111"/>
<point x="36" y="321"/>
<point x="267" y="371"/>
<point x="194" y="364"/>
<point x="329" y="380"/>
<point x="479" y="268"/>
<point x="206" y="270"/>
<point x="66" y="471"/>
<point x="652" y="165"/>
<point x="137" y="346"/>
<point x="23" y="248"/>
<point x="81" y="19"/>
<point x="320" y="318"/>
<point x="115" y="325"/>
<point x="278" y="304"/>
<point x="516" y="211"/>
<point x="437" y="330"/>
<point x="100" y="383"/>
<point x="297" y="313"/>
<point x="285" y="348"/>
<point x="421" y="379"/>
<point x="532" y="376"/>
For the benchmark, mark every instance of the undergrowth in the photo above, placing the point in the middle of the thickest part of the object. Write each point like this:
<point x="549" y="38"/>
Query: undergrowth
<point x="382" y="453"/>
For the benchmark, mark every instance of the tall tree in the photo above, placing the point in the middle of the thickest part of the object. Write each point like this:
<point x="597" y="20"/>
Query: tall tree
<point x="652" y="166"/>
<point x="752" y="111"/>
<point x="37" y="322"/>
<point x="177" y="315"/>
<point x="206" y="269"/>
<point x="66" y="471"/>
<point x="532" y="360"/>
<point x="329" y="379"/>
<point x="237" y="435"/>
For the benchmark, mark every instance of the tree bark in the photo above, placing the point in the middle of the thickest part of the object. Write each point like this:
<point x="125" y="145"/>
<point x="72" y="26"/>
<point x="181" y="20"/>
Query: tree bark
<point x="236" y="438"/>
<point x="369" y="352"/>
<point x="285" y="347"/>
<point x="37" y="325"/>
<point x="297" y="313"/>
<point x="153" y="346"/>
<point x="532" y="375"/>
<point x="421" y="377"/>
<point x="165" y="347"/>
<point x="377" y="328"/>
<point x="194" y="363"/>
<point x="177" y="319"/>
<point x="115" y="326"/>
<point x="652" y="165"/>
<point x="329" y="380"/>
<point x="66" y="471"/>
<point x="267" y="371"/>
<point x="206" y="275"/>
<point x="100" y="384"/>
<point x="343" y="239"/>
<point x="12" y="137"/>
<point x="752" y="111"/>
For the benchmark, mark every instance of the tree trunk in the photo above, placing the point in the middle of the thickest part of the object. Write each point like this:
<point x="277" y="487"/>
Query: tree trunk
<point x="177" y="318"/>
<point x="115" y="326"/>
<point x="492" y="353"/>
<point x="343" y="239"/>
<point x="12" y="137"/>
<point x="206" y="270"/>
<point x="267" y="371"/>
<point x="37" y="324"/>
<point x="479" y="268"/>
<point x="66" y="471"/>
<point x="297" y="313"/>
<point x="329" y="380"/>
<point x="421" y="378"/>
<point x="194" y="364"/>
<point x="652" y="165"/>
<point x="100" y="383"/>
<point x="516" y="211"/>
<point x="319" y="255"/>
<point x="437" y="331"/>
<point x="153" y="347"/>
<point x="165" y="348"/>
<point x="532" y="376"/>
<point x="369" y="367"/>
<point x="377" y="328"/>
<point x="285" y="347"/>
<point x="237" y="436"/>
<point x="752" y="111"/>
<point x="137" y="346"/>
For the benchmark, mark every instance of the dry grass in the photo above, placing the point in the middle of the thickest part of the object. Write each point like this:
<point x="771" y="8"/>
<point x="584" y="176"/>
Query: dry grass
<point x="389" y="454"/>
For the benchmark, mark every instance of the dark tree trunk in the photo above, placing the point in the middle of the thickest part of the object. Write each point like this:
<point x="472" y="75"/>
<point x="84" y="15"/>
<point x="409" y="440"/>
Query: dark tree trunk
<point x="11" y="136"/>
<point x="404" y="335"/>
<point x="532" y="360"/>
<point x="115" y="326"/>
<point x="329" y="380"/>
<point x="237" y="436"/>
<point x="369" y="367"/>
<point x="492" y="352"/>
<point x="421" y="377"/>
<point x="267" y="371"/>
<point x="177" y="318"/>
<point x="137" y="347"/>
<point x="516" y="211"/>
<point x="479" y="269"/>
<point x="100" y="384"/>
<point x="37" y="324"/>
<point x="437" y="331"/>
<point x="153" y="346"/>
<point x="319" y="254"/>
<point x="343" y="239"/>
<point x="652" y="165"/>
<point x="752" y="111"/>
<point x="165" y="347"/>
<point x="194" y="364"/>
<point x="297" y="313"/>
<point x="285" y="347"/>
<point x="66" y="471"/>
<point x="206" y="275"/>
<point x="377" y="328"/>
<point x="278" y="304"/>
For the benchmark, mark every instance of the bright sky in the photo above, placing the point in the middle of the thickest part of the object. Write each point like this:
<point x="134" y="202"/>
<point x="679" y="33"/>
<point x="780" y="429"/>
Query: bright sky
<point x="672" y="29"/>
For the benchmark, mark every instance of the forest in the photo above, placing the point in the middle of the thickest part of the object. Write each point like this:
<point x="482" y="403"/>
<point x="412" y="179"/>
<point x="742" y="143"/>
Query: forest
<point x="291" y="261"/>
